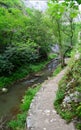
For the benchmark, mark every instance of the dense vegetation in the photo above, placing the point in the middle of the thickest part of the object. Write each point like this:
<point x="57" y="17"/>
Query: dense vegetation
<point x="25" y="40"/>
<point x="63" y="25"/>
<point x="68" y="100"/>
<point x="26" y="36"/>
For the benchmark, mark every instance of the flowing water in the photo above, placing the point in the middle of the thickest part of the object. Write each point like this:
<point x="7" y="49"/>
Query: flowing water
<point x="10" y="101"/>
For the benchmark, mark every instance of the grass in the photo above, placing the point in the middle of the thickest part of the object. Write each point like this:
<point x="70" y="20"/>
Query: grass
<point x="57" y="70"/>
<point x="52" y="56"/>
<point x="24" y="71"/>
<point x="66" y="114"/>
<point x="19" y="122"/>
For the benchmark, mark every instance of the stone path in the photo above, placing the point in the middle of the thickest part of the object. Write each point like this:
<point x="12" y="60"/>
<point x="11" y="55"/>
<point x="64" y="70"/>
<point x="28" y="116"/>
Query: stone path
<point x="42" y="115"/>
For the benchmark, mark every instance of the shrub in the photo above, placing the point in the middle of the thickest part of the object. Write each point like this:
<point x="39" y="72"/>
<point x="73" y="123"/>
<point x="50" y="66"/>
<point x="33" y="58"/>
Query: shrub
<point x="70" y="84"/>
<point x="16" y="56"/>
<point x="6" y="67"/>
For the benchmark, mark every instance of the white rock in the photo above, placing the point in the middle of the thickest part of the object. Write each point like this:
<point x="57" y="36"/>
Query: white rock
<point x="47" y="112"/>
<point x="67" y="99"/>
<point x="44" y="128"/>
<point x="4" y="90"/>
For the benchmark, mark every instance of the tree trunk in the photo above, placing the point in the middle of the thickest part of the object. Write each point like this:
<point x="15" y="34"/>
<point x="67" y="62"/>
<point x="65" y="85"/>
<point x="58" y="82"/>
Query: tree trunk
<point x="60" y="45"/>
<point x="62" y="60"/>
<point x="71" y="36"/>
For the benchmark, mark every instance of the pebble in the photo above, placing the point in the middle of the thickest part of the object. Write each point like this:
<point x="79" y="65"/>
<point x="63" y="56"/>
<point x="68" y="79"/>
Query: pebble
<point x="44" y="128"/>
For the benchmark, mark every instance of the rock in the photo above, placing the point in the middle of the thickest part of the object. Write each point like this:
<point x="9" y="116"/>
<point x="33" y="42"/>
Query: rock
<point x="77" y="55"/>
<point x="68" y="85"/>
<point x="52" y="120"/>
<point x="74" y="96"/>
<point x="44" y="128"/>
<point x="35" y="85"/>
<point x="67" y="99"/>
<point x="4" y="90"/>
<point x="49" y="78"/>
<point x="38" y="75"/>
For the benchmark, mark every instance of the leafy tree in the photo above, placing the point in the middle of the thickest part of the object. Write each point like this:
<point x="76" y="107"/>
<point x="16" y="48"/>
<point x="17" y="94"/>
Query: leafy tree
<point x="37" y="30"/>
<point x="79" y="1"/>
<point x="24" y="35"/>
<point x="11" y="20"/>
<point x="56" y="11"/>
<point x="63" y="27"/>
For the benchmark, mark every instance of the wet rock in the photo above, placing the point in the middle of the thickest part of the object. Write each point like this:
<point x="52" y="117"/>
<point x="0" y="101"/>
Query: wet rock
<point x="38" y="75"/>
<point x="35" y="85"/>
<point x="4" y="90"/>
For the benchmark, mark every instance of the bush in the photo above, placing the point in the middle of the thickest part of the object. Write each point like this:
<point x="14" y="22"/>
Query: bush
<point x="70" y="84"/>
<point x="16" y="56"/>
<point x="6" y="67"/>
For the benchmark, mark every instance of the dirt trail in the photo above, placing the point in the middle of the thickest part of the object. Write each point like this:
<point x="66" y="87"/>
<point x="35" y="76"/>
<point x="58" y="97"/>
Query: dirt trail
<point x="42" y="115"/>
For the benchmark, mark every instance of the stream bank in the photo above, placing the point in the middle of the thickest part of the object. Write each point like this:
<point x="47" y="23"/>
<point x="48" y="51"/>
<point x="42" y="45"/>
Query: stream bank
<point x="10" y="101"/>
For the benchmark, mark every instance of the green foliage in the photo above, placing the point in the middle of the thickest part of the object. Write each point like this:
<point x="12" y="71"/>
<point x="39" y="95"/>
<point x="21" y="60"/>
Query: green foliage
<point x="78" y="126"/>
<point x="52" y="56"/>
<point x="16" y="56"/>
<point x="26" y="101"/>
<point x="21" y="72"/>
<point x="62" y="25"/>
<point x="60" y="94"/>
<point x="19" y="122"/>
<point x="9" y="3"/>
<point x="73" y="109"/>
<point x="13" y="22"/>
<point x="78" y="1"/>
<point x="24" y="35"/>
<point x="78" y="110"/>
<point x="57" y="70"/>
<point x="28" y="98"/>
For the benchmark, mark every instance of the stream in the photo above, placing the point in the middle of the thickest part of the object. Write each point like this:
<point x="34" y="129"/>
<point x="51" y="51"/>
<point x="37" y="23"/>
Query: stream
<point x="10" y="101"/>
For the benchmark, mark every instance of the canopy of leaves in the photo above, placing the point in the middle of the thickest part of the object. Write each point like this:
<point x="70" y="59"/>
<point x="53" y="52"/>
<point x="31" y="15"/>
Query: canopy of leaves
<point x="24" y="35"/>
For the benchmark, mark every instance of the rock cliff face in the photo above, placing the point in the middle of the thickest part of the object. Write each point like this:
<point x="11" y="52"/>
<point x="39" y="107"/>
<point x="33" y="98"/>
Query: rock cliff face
<point x="37" y="4"/>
